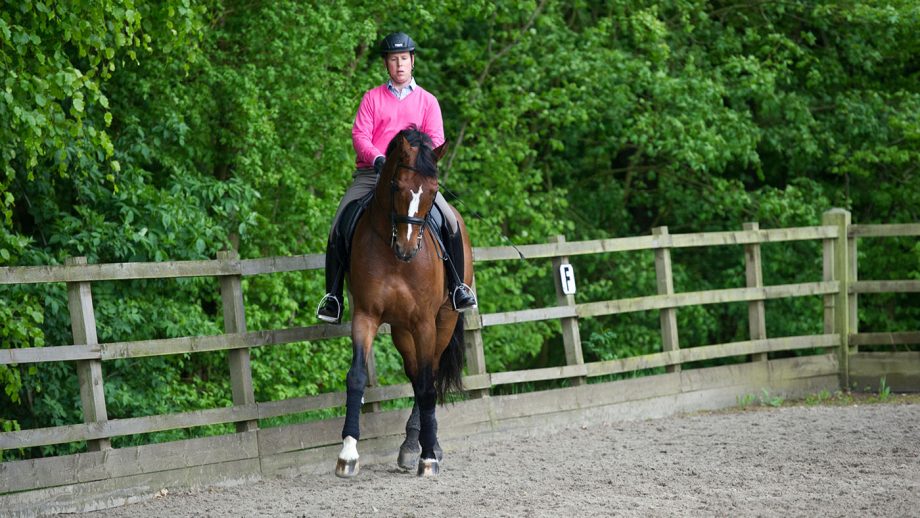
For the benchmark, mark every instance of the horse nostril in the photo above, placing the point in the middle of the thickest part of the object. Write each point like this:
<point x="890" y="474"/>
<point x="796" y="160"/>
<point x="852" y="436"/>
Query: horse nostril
<point x="404" y="255"/>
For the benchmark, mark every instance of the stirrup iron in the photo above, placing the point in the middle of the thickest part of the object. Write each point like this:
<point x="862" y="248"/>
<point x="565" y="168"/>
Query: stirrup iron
<point x="338" y="309"/>
<point x="458" y="290"/>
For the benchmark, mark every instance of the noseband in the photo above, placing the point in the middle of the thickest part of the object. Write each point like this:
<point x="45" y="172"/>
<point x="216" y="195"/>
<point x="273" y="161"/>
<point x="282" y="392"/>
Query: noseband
<point x="396" y="219"/>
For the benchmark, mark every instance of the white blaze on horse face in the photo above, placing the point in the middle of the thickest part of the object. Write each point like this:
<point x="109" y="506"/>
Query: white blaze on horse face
<point x="413" y="209"/>
<point x="349" y="449"/>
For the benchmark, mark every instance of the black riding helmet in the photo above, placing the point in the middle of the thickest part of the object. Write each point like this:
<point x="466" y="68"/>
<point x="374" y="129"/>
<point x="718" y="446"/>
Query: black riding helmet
<point x="396" y="42"/>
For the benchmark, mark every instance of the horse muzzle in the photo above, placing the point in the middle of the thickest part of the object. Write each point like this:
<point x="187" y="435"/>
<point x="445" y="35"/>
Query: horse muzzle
<point x="404" y="252"/>
<point x="402" y="255"/>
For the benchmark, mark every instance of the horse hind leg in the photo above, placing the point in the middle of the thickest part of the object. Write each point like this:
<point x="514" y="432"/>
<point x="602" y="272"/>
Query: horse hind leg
<point x="410" y="450"/>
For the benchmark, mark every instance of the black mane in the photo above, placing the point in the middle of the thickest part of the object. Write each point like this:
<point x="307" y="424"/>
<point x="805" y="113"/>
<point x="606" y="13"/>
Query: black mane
<point x="425" y="162"/>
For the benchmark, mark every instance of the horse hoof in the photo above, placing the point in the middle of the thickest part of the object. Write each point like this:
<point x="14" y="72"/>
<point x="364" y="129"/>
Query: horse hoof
<point x="347" y="468"/>
<point x="407" y="458"/>
<point x="428" y="467"/>
<point x="409" y="452"/>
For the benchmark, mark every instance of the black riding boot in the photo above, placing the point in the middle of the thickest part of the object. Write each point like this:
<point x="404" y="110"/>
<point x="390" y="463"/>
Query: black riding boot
<point x="461" y="295"/>
<point x="337" y="260"/>
<point x="330" y="308"/>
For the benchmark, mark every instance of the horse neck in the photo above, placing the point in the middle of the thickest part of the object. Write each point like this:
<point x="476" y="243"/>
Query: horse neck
<point x="382" y="204"/>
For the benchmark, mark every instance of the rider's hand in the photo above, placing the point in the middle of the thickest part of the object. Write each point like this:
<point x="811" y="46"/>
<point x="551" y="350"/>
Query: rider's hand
<point x="378" y="164"/>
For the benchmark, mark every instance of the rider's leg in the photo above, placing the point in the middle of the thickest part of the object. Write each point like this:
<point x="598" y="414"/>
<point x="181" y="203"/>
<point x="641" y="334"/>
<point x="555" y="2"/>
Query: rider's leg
<point x="330" y="307"/>
<point x="460" y="294"/>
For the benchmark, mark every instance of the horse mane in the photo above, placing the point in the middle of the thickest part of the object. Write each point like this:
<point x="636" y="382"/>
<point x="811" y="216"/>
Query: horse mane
<point x="425" y="162"/>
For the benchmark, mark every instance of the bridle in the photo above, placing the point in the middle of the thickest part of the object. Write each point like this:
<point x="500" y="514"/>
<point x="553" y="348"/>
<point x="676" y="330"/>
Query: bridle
<point x="396" y="219"/>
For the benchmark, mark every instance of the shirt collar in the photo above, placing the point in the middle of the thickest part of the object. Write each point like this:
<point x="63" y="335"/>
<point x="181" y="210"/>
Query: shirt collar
<point x="405" y="91"/>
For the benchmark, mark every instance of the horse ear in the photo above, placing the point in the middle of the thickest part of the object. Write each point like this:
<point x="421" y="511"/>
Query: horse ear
<point x="440" y="151"/>
<point x="405" y="145"/>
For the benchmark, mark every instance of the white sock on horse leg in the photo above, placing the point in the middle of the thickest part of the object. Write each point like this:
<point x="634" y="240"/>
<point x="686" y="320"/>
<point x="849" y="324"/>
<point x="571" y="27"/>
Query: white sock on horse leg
<point x="349" y="449"/>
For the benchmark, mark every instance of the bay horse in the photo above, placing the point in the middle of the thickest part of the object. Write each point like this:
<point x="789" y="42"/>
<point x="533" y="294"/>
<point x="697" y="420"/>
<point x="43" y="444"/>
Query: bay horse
<point x="397" y="276"/>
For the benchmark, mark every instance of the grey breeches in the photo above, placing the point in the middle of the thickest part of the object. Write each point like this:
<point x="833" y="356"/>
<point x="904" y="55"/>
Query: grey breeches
<point x="364" y="181"/>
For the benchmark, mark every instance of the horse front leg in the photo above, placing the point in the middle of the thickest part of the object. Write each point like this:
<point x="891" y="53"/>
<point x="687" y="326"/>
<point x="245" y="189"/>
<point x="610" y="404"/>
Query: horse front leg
<point x="347" y="465"/>
<point x="426" y="398"/>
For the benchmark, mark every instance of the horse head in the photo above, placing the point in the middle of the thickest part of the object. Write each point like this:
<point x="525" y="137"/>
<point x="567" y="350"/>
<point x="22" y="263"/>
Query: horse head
<point x="412" y="174"/>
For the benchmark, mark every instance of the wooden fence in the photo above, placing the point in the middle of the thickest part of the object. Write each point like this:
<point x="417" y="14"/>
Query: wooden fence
<point x="104" y="476"/>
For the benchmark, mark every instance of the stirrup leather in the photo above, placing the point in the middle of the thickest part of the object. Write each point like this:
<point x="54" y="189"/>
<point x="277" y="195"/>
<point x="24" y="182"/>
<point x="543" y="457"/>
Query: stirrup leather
<point x="458" y="290"/>
<point x="338" y="309"/>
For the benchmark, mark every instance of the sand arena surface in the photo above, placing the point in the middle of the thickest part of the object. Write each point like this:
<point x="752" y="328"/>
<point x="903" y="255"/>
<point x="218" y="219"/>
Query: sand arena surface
<point x="859" y="460"/>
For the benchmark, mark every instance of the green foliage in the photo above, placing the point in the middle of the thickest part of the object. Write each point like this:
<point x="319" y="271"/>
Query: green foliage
<point x="884" y="391"/>
<point x="59" y="58"/>
<point x="169" y="130"/>
<point x="767" y="399"/>
<point x="745" y="401"/>
<point x="818" y="399"/>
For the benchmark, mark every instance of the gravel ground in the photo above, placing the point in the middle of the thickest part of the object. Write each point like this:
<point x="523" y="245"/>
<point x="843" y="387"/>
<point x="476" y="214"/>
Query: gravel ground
<point x="861" y="460"/>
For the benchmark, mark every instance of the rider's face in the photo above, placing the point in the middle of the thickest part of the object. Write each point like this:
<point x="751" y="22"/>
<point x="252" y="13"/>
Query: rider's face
<point x="399" y="66"/>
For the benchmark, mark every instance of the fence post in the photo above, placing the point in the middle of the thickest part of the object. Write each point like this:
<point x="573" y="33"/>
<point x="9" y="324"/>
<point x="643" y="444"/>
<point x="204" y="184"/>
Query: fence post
<point x="757" y="324"/>
<point x="668" y="316"/>
<point x="828" y="276"/>
<point x="571" y="337"/>
<point x="839" y="266"/>
<point x="852" y="277"/>
<point x="89" y="372"/>
<point x="231" y="293"/>
<point x="474" y="348"/>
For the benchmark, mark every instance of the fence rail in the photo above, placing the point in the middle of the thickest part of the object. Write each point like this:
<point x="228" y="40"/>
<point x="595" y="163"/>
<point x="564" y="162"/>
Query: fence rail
<point x="838" y="288"/>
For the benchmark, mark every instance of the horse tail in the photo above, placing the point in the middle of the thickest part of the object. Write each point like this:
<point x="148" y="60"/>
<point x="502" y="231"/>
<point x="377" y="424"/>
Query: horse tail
<point x="450" y="368"/>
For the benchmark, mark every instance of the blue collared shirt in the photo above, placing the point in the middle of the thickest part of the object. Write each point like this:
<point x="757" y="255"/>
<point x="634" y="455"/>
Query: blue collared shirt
<point x="405" y="91"/>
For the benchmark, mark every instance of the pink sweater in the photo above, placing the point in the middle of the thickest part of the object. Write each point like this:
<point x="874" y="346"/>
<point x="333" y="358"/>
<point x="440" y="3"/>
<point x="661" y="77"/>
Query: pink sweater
<point x="381" y="116"/>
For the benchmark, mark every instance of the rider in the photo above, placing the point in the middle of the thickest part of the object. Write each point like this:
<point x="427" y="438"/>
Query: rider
<point x="385" y="111"/>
